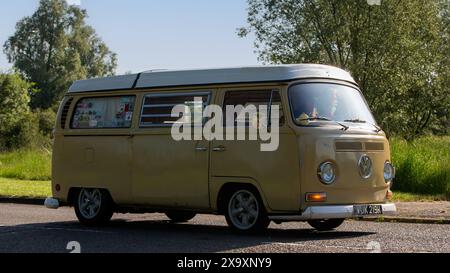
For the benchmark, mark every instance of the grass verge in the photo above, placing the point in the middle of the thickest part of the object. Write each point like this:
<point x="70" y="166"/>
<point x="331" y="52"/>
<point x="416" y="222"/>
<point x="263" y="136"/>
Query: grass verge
<point x="24" y="188"/>
<point x="26" y="165"/>
<point x="423" y="165"/>
<point x="411" y="197"/>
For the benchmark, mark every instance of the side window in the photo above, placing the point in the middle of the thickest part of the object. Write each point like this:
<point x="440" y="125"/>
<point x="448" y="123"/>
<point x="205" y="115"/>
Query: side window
<point x="256" y="98"/>
<point x="103" y="112"/>
<point x="157" y="108"/>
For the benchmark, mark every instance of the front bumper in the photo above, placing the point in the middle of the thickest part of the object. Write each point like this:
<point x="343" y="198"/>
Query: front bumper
<point x="332" y="212"/>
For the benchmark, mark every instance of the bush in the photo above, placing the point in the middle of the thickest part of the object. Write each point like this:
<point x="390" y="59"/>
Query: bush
<point x="46" y="120"/>
<point x="423" y="165"/>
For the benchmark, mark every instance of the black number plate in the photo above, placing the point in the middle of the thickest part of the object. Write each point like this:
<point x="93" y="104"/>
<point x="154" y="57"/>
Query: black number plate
<point x="362" y="210"/>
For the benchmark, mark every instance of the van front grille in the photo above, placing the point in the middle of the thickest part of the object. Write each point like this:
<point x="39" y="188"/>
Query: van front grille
<point x="64" y="113"/>
<point x="349" y="146"/>
<point x="356" y="146"/>
<point x="374" y="146"/>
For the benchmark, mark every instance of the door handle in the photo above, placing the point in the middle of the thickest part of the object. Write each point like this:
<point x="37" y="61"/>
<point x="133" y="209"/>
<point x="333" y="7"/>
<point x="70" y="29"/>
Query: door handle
<point x="219" y="149"/>
<point x="201" y="149"/>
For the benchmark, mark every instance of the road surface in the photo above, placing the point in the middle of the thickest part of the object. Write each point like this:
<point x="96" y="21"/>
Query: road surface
<point x="29" y="228"/>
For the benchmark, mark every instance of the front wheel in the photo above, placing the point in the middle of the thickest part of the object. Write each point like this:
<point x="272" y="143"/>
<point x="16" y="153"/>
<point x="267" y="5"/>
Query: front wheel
<point x="245" y="211"/>
<point x="93" y="207"/>
<point x="326" y="224"/>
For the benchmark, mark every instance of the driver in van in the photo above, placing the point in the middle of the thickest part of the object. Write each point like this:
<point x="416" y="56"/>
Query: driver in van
<point x="318" y="107"/>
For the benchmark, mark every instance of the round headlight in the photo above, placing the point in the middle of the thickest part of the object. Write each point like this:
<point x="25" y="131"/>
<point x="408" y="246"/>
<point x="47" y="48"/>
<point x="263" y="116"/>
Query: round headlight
<point x="389" y="171"/>
<point x="327" y="173"/>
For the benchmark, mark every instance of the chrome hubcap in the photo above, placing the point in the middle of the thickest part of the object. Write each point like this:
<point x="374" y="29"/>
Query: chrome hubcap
<point x="243" y="209"/>
<point x="89" y="202"/>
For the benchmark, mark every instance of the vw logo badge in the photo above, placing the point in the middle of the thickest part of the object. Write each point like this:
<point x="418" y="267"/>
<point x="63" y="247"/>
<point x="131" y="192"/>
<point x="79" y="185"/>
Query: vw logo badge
<point x="365" y="166"/>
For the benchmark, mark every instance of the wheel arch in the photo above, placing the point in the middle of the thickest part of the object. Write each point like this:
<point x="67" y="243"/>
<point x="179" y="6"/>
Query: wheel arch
<point x="226" y="186"/>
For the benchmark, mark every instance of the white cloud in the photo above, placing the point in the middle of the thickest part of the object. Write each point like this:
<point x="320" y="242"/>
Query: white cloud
<point x="74" y="2"/>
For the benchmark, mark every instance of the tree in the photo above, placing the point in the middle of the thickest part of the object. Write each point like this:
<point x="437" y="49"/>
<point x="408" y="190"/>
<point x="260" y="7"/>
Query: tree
<point x="53" y="47"/>
<point x="15" y="128"/>
<point x="14" y="100"/>
<point x="397" y="52"/>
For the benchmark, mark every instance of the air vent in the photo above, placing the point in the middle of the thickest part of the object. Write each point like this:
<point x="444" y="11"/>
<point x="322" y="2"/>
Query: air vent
<point x="64" y="113"/>
<point x="374" y="146"/>
<point x="349" y="146"/>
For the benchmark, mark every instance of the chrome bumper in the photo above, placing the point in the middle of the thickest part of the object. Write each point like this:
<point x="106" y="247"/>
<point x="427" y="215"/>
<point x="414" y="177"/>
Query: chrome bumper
<point x="51" y="203"/>
<point x="332" y="212"/>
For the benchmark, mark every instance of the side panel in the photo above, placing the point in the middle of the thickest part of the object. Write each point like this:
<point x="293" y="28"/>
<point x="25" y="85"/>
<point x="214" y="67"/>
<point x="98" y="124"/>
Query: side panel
<point x="276" y="173"/>
<point x="96" y="162"/>
<point x="169" y="173"/>
<point x="92" y="158"/>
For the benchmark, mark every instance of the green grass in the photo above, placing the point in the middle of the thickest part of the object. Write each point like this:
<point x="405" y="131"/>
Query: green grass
<point x="411" y="197"/>
<point x="423" y="166"/>
<point x="24" y="188"/>
<point x="26" y="165"/>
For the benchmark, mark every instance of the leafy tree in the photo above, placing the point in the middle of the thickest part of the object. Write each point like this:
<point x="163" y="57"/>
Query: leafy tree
<point x="53" y="47"/>
<point x="14" y="100"/>
<point x="14" y="111"/>
<point x="397" y="52"/>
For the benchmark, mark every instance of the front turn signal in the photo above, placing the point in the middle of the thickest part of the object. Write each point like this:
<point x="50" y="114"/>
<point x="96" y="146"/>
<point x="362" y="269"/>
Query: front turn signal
<point x="316" y="197"/>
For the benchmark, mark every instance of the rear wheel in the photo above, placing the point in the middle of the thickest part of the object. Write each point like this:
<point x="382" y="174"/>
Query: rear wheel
<point x="93" y="207"/>
<point x="180" y="216"/>
<point x="245" y="211"/>
<point x="326" y="224"/>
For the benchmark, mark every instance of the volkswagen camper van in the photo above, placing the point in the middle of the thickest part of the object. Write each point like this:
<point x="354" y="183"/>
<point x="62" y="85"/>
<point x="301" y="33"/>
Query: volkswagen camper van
<point x="114" y="149"/>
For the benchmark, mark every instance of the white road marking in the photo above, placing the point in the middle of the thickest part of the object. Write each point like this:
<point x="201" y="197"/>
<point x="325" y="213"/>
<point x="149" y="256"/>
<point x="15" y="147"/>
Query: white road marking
<point x="313" y="245"/>
<point x="77" y="230"/>
<point x="395" y="249"/>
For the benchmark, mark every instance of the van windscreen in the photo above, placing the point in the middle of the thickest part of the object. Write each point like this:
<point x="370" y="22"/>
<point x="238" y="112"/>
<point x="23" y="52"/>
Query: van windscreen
<point x="319" y="102"/>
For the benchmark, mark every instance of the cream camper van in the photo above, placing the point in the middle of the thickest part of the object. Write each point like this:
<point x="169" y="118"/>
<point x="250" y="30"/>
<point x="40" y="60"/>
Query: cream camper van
<point x="115" y="152"/>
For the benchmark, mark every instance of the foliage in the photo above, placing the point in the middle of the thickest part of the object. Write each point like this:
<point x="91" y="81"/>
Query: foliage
<point x="423" y="165"/>
<point x="46" y="120"/>
<point x="26" y="165"/>
<point x="16" y="130"/>
<point x="53" y="47"/>
<point x="14" y="100"/>
<point x="397" y="52"/>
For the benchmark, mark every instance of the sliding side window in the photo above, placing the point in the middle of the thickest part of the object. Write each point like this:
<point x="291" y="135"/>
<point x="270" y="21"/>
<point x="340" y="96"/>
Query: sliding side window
<point x="157" y="108"/>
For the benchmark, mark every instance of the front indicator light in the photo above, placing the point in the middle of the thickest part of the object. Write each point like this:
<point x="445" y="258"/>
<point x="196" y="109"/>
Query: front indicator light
<point x="316" y="197"/>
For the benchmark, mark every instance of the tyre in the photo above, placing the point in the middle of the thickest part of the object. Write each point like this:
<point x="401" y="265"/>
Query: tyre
<point x="245" y="211"/>
<point x="180" y="216"/>
<point x="326" y="224"/>
<point x="93" y="207"/>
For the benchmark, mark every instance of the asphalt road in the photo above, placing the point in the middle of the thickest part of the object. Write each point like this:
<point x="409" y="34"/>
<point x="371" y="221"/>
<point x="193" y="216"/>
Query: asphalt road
<point x="28" y="228"/>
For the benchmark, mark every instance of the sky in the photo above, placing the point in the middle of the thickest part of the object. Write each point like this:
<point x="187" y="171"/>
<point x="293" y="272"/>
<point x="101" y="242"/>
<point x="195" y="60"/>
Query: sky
<point x="156" y="34"/>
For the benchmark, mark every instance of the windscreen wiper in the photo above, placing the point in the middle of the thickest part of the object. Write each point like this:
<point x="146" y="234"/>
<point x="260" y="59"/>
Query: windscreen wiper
<point x="377" y="128"/>
<point x="344" y="127"/>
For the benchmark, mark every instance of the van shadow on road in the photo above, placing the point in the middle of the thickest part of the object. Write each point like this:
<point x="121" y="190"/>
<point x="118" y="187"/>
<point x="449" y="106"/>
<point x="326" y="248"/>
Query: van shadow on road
<point x="151" y="236"/>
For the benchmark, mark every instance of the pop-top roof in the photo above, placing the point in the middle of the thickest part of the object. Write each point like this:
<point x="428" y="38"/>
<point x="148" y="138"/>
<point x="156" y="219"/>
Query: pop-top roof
<point x="173" y="78"/>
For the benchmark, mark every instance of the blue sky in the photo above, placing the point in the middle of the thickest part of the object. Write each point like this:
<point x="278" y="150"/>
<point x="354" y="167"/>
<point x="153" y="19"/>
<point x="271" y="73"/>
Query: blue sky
<point x="157" y="34"/>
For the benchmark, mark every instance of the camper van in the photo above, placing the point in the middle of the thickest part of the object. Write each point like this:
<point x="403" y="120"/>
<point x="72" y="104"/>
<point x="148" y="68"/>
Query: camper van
<point x="115" y="150"/>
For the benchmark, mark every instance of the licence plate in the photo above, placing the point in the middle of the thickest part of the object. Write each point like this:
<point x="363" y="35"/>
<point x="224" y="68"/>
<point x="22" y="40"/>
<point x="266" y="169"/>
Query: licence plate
<point x="362" y="210"/>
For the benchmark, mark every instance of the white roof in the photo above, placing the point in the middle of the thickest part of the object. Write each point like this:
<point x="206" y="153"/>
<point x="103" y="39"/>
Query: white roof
<point x="173" y="78"/>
